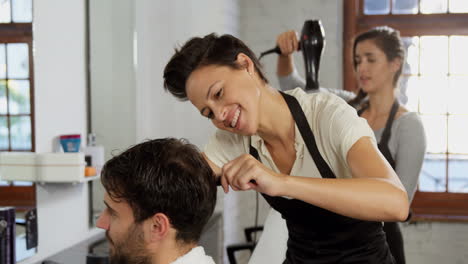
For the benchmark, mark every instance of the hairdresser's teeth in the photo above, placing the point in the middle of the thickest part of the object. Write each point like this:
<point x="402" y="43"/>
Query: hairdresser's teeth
<point x="236" y="117"/>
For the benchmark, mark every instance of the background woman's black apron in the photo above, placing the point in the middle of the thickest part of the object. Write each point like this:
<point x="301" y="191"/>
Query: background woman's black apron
<point x="392" y="229"/>
<point x="320" y="236"/>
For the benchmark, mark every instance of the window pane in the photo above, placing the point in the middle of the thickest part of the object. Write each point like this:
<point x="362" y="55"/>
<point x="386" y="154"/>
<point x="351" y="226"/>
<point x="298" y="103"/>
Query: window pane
<point x="405" y="7"/>
<point x="21" y="133"/>
<point x="433" y="94"/>
<point x="2" y="61"/>
<point x="458" y="130"/>
<point x="376" y="7"/>
<point x="18" y="92"/>
<point x="458" y="6"/>
<point x="18" y="60"/>
<point x="434" y="55"/>
<point x="5" y="15"/>
<point x="458" y="173"/>
<point x="3" y="132"/>
<point x="4" y="183"/>
<point x="435" y="127"/>
<point x="458" y="55"/>
<point x="22" y="11"/>
<point x="433" y="6"/>
<point x="413" y="91"/>
<point x="412" y="55"/>
<point x="432" y="177"/>
<point x="457" y="95"/>
<point x="3" y="99"/>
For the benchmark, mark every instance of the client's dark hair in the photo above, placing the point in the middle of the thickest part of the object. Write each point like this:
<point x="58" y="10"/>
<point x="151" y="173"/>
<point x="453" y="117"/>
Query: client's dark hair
<point x="168" y="176"/>
<point x="198" y="52"/>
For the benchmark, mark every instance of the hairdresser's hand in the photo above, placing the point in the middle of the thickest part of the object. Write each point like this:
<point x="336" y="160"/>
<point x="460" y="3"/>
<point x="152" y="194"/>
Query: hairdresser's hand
<point x="247" y="173"/>
<point x="288" y="42"/>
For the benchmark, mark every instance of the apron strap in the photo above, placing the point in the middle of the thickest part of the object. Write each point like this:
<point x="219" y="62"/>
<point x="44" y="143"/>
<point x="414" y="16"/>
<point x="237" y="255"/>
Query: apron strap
<point x="387" y="133"/>
<point x="307" y="135"/>
<point x="306" y="132"/>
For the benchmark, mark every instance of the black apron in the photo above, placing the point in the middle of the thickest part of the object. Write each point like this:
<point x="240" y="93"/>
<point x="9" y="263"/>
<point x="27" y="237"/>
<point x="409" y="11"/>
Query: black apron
<point x="391" y="229"/>
<point x="387" y="133"/>
<point x="319" y="236"/>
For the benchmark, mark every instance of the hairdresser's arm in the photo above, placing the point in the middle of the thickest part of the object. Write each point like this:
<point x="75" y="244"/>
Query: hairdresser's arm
<point x="374" y="192"/>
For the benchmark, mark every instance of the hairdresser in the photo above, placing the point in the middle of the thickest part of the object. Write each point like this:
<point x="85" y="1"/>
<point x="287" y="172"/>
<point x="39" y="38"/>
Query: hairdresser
<point x="312" y="158"/>
<point x="378" y="56"/>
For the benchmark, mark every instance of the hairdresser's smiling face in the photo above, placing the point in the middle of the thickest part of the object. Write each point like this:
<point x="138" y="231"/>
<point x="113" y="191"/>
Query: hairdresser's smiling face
<point x="227" y="96"/>
<point x="126" y="238"/>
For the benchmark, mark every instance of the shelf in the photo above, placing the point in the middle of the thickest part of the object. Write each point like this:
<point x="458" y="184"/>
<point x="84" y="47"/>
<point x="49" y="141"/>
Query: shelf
<point x="85" y="179"/>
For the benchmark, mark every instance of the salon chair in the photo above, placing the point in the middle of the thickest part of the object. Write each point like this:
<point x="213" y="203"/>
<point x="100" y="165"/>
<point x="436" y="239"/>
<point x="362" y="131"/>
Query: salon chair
<point x="250" y="243"/>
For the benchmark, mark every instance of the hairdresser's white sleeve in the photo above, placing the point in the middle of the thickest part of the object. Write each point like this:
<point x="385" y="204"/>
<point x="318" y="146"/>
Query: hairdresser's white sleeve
<point x="224" y="146"/>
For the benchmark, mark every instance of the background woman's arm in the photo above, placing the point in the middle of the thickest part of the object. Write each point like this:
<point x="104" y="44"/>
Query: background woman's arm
<point x="410" y="151"/>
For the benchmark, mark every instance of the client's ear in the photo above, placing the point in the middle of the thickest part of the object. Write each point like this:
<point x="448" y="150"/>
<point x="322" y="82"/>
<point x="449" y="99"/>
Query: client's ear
<point x="159" y="227"/>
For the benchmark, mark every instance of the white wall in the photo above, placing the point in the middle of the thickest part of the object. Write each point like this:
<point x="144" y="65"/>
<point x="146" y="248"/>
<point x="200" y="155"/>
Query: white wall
<point x="161" y="26"/>
<point x="59" y="69"/>
<point x="113" y="86"/>
<point x="113" y="83"/>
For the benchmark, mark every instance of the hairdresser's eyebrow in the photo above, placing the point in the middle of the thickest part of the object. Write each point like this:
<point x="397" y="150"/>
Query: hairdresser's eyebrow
<point x="208" y="95"/>
<point x="209" y="89"/>
<point x="110" y="208"/>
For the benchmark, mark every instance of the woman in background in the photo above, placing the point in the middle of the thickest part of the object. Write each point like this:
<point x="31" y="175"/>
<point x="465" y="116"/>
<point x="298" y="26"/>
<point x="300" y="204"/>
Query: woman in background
<point x="379" y="57"/>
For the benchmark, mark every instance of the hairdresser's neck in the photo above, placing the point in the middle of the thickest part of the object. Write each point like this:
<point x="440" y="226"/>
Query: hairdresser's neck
<point x="380" y="102"/>
<point x="276" y="124"/>
<point x="169" y="251"/>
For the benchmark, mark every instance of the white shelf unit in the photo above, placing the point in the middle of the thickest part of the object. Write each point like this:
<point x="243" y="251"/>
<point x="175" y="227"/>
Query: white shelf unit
<point x="44" y="168"/>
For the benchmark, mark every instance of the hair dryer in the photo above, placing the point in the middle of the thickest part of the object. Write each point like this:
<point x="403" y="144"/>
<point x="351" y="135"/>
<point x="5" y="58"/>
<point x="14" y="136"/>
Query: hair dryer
<point x="311" y="42"/>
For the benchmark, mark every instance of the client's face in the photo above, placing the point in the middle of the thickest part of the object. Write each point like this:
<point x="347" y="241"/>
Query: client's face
<point x="126" y="238"/>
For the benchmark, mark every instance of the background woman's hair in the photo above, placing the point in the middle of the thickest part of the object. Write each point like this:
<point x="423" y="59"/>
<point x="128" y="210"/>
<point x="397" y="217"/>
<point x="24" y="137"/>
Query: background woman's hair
<point x="198" y="52"/>
<point x="389" y="42"/>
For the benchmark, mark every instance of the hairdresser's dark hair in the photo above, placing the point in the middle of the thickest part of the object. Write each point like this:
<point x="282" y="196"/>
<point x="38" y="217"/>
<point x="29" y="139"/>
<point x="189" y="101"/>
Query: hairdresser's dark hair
<point x="168" y="176"/>
<point x="388" y="40"/>
<point x="208" y="50"/>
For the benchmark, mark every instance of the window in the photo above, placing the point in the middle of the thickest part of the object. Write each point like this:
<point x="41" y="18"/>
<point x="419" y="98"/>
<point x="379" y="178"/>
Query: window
<point x="435" y="33"/>
<point x="16" y="93"/>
